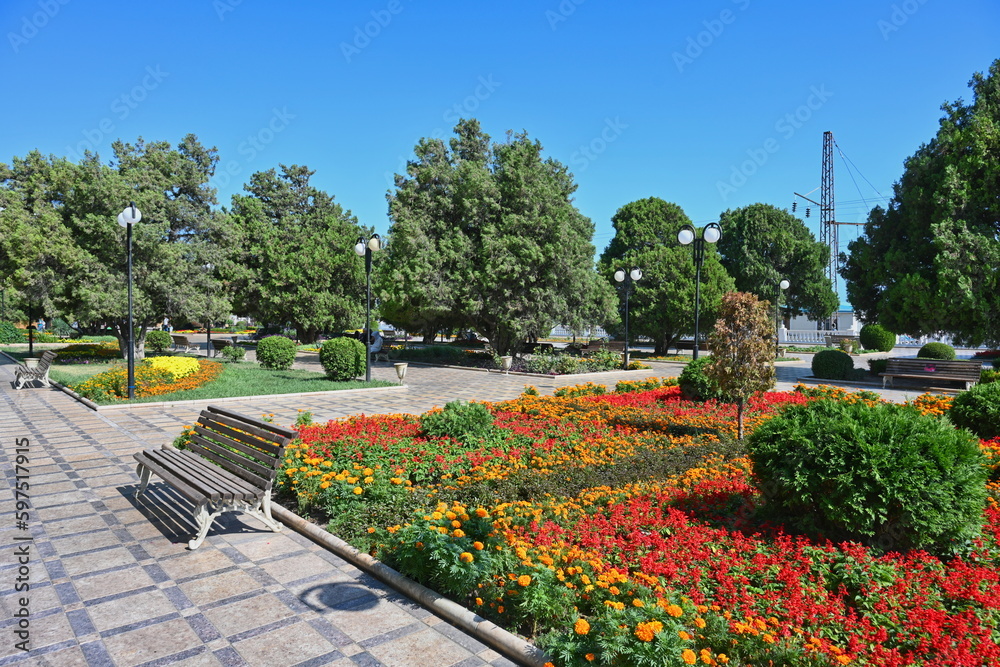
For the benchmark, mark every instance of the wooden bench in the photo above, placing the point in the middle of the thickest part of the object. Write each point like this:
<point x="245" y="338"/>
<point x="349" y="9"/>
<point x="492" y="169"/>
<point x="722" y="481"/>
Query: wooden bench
<point x="834" y="340"/>
<point x="229" y="466"/>
<point x="965" y="371"/>
<point x="182" y="341"/>
<point x="218" y="344"/>
<point x="40" y="372"/>
<point x="595" y="345"/>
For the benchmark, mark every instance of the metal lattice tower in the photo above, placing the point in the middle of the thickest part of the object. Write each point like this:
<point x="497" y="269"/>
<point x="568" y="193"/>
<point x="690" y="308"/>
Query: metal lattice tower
<point x="827" y="219"/>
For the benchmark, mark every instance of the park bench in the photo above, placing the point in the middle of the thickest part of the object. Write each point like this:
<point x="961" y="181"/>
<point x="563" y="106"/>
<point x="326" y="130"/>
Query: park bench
<point x="218" y="344"/>
<point x="538" y="347"/>
<point x="182" y="341"/>
<point x="229" y="466"/>
<point x="40" y="372"/>
<point x="595" y="345"/>
<point x="958" y="370"/>
<point x="834" y="340"/>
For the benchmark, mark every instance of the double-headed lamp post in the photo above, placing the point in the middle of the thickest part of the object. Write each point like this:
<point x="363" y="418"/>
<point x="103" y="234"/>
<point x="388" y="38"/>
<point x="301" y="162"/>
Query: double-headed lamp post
<point x="126" y="219"/>
<point x="710" y="233"/>
<point x="364" y="248"/>
<point x="627" y="279"/>
<point x="782" y="285"/>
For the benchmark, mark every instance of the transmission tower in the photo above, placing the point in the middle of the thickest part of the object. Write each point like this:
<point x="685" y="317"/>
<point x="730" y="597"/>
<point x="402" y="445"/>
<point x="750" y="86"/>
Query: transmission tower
<point x="827" y="218"/>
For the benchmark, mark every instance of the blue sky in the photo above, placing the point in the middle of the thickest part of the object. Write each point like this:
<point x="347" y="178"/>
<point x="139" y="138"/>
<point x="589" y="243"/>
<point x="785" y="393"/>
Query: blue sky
<point x="711" y="105"/>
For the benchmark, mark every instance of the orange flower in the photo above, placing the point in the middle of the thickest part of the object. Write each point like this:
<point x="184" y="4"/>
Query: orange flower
<point x="524" y="580"/>
<point x="674" y="610"/>
<point x="590" y="657"/>
<point x="358" y="490"/>
<point x="688" y="656"/>
<point x="478" y="546"/>
<point x="648" y="630"/>
<point x="466" y="557"/>
<point x="581" y="627"/>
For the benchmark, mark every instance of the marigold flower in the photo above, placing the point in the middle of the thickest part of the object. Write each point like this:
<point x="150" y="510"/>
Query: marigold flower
<point x="466" y="557"/>
<point x="648" y="630"/>
<point x="458" y="532"/>
<point x="478" y="546"/>
<point x="638" y="603"/>
<point x="674" y="610"/>
<point x="688" y="656"/>
<point x="581" y="627"/>
<point x="524" y="580"/>
<point x="590" y="657"/>
<point x="700" y="622"/>
<point x="684" y="635"/>
<point x="358" y="490"/>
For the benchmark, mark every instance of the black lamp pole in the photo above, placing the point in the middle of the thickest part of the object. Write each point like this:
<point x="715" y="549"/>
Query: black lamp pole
<point x="778" y="286"/>
<point x="127" y="218"/>
<point x="627" y="278"/>
<point x="364" y="248"/>
<point x="710" y="233"/>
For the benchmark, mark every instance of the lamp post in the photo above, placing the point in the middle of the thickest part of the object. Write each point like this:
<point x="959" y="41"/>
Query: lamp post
<point x="365" y="248"/>
<point x="710" y="233"/>
<point x="627" y="279"/>
<point x="783" y="284"/>
<point x="126" y="219"/>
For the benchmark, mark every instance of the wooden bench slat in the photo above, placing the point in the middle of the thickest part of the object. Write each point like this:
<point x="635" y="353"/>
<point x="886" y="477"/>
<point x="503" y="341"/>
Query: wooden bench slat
<point x="265" y="443"/>
<point x="256" y="426"/>
<point x="218" y="455"/>
<point x="214" y="482"/>
<point x="186" y="490"/>
<point x="956" y="370"/>
<point x="219" y="434"/>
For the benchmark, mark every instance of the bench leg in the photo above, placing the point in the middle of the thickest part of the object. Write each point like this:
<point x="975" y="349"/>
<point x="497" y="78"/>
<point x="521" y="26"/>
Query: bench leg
<point x="203" y="520"/>
<point x="265" y="514"/>
<point x="143" y="472"/>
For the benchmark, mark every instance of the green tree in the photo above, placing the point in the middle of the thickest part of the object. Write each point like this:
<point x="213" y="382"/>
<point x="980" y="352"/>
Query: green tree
<point x="64" y="252"/>
<point x="742" y="346"/>
<point x="486" y="236"/>
<point x="662" y="304"/>
<point x="762" y="244"/>
<point x="297" y="263"/>
<point x="925" y="263"/>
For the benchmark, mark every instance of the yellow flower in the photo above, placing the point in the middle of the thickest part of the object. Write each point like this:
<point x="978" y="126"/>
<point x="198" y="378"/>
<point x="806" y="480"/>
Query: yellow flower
<point x="358" y="490"/>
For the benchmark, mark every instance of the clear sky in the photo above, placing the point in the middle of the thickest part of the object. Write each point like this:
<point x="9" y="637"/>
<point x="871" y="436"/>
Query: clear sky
<point x="711" y="105"/>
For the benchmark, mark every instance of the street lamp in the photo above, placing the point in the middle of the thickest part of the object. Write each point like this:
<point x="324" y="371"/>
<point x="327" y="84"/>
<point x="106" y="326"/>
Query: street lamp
<point x="627" y="279"/>
<point x="777" y="323"/>
<point x="365" y="248"/>
<point x="126" y="219"/>
<point x="710" y="233"/>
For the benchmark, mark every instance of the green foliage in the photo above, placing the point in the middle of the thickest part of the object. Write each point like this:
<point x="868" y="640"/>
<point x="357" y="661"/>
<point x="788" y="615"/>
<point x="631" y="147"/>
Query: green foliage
<point x="304" y="418"/>
<point x="465" y="422"/>
<point x="343" y="358"/>
<point x="649" y="384"/>
<point x="62" y="328"/>
<point x="833" y="365"/>
<point x="941" y="351"/>
<point x="158" y="341"/>
<point x="877" y="337"/>
<point x="276" y="353"/>
<point x="234" y="353"/>
<point x="661" y="306"/>
<point x="486" y="236"/>
<point x="10" y="333"/>
<point x="761" y="244"/>
<point x="989" y="375"/>
<point x="586" y="389"/>
<point x="696" y="384"/>
<point x="978" y="410"/>
<point x="919" y="266"/>
<point x="530" y="390"/>
<point x="877" y="366"/>
<point x="879" y="473"/>
<point x="558" y="363"/>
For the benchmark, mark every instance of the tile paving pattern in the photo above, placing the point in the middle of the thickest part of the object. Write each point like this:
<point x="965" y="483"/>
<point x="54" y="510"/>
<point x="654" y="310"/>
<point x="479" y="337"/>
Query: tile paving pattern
<point x="111" y="580"/>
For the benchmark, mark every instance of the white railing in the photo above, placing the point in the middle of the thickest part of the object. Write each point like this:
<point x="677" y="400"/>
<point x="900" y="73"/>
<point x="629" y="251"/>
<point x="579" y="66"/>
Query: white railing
<point x="809" y="336"/>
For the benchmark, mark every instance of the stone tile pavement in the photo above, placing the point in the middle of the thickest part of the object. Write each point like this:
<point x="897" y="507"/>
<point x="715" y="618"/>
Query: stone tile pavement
<point x="112" y="583"/>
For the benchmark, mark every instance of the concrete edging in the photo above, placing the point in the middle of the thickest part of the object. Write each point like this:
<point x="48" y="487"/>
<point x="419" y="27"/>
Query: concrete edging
<point x="507" y="644"/>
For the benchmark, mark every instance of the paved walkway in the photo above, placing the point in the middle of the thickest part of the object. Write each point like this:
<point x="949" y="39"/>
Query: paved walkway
<point x="112" y="583"/>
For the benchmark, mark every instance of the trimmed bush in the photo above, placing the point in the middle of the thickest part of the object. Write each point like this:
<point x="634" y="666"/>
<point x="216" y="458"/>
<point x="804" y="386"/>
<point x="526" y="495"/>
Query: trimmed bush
<point x="10" y="334"/>
<point x="343" y="358"/>
<point x="879" y="473"/>
<point x="877" y="366"/>
<point x="833" y="365"/>
<point x="276" y="353"/>
<point x="465" y="422"/>
<point x="978" y="410"/>
<point x="941" y="351"/>
<point x="695" y="384"/>
<point x="158" y="341"/>
<point x="876" y="337"/>
<point x="234" y="353"/>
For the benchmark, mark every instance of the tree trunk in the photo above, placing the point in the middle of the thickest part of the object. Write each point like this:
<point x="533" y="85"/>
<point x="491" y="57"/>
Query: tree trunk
<point x="306" y="335"/>
<point x="740" y="405"/>
<point x="121" y="333"/>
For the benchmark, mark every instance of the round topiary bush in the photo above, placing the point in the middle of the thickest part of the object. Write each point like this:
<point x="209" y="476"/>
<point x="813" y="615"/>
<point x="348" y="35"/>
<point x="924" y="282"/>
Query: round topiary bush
<point x="881" y="473"/>
<point x="832" y="365"/>
<point x="695" y="384"/>
<point x="941" y="351"/>
<point x="10" y="334"/>
<point x="158" y="341"/>
<point x="343" y="358"/>
<point x="234" y="353"/>
<point x="876" y="337"/>
<point x="978" y="410"/>
<point x="276" y="353"/>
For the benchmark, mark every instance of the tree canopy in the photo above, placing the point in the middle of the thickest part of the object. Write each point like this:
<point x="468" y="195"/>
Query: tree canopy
<point x="662" y="303"/>
<point x="486" y="236"/>
<point x="762" y="244"/>
<point x="927" y="263"/>
<point x="296" y="261"/>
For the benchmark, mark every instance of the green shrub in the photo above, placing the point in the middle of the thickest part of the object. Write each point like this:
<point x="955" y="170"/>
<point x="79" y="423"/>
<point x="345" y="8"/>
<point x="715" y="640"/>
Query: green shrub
<point x="276" y="353"/>
<point x="601" y="360"/>
<point x="158" y="341"/>
<point x="465" y="422"/>
<point x="62" y="328"/>
<point x="876" y="337"/>
<point x="343" y="358"/>
<point x="978" y="410"/>
<point x="833" y="365"/>
<point x="695" y="384"/>
<point x="941" y="351"/>
<point x="234" y="353"/>
<point x="882" y="474"/>
<point x="557" y="363"/>
<point x="877" y="365"/>
<point x="444" y="354"/>
<point x="10" y="334"/>
<point x="989" y="375"/>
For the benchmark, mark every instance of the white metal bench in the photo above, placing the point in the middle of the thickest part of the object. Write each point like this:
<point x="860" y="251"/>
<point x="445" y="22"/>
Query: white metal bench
<point x="40" y="372"/>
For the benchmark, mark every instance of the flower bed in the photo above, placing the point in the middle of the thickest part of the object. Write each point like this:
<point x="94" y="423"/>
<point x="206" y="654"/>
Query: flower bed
<point x="83" y="353"/>
<point x="153" y="377"/>
<point x="618" y="529"/>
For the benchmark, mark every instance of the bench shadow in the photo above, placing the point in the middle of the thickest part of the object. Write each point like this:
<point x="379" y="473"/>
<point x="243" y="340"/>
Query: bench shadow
<point x="342" y="596"/>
